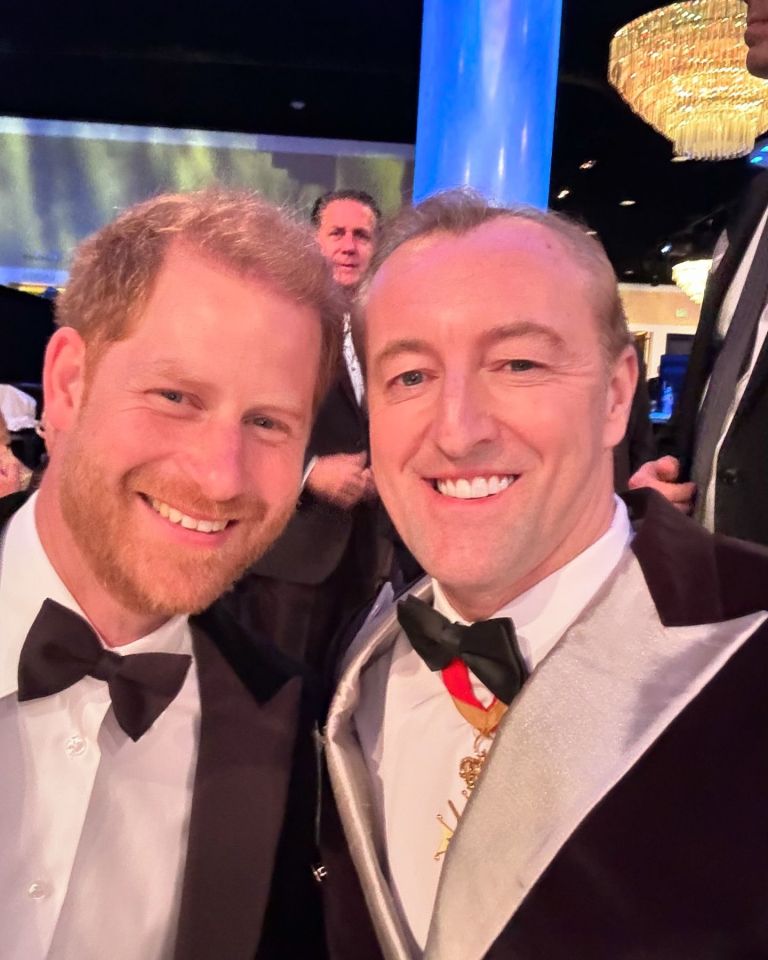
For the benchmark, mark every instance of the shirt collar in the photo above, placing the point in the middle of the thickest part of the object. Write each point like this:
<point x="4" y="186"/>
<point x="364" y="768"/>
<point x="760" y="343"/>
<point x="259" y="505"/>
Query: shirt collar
<point x="27" y="578"/>
<point x="542" y="614"/>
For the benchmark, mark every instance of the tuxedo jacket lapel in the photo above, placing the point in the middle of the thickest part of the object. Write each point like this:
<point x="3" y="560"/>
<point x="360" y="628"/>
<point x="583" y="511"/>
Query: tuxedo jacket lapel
<point x="606" y="692"/>
<point x="246" y="742"/>
<point x="755" y="387"/>
<point x="366" y="663"/>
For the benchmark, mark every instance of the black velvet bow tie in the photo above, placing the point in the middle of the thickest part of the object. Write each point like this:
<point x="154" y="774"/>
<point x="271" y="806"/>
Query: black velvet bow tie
<point x="61" y="648"/>
<point x="488" y="648"/>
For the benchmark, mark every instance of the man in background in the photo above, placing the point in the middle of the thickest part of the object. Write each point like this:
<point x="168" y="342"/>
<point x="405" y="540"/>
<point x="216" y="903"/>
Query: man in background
<point x="333" y="552"/>
<point x="146" y="751"/>
<point x="717" y="464"/>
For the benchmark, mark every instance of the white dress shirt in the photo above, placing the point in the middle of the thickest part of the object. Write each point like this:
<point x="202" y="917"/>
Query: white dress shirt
<point x="727" y="310"/>
<point x="414" y="754"/>
<point x="93" y="827"/>
<point x="352" y="361"/>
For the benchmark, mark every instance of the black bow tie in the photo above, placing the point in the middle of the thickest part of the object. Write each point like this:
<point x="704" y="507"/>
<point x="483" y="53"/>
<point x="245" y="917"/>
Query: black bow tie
<point x="61" y="648"/>
<point x="489" y="647"/>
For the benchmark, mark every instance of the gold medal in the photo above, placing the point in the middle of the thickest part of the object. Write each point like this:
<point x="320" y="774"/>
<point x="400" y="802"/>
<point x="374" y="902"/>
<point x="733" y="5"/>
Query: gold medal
<point x="485" y="723"/>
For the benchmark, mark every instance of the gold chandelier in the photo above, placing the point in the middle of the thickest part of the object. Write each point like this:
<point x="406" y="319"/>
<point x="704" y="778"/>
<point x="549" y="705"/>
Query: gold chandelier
<point x="691" y="277"/>
<point x="681" y="68"/>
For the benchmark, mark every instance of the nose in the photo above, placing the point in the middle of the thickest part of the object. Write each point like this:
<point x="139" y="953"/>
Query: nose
<point x="216" y="461"/>
<point x="464" y="425"/>
<point x="348" y="243"/>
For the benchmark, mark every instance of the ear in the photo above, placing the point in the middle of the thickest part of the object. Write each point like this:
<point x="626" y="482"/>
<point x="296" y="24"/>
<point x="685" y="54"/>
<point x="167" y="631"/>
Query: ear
<point x="63" y="379"/>
<point x="622" y="381"/>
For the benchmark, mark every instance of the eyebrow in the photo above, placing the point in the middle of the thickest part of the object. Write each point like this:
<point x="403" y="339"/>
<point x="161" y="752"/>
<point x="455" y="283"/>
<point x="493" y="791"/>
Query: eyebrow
<point x="396" y="347"/>
<point x="506" y="331"/>
<point x="171" y="370"/>
<point x="524" y="328"/>
<point x="358" y="231"/>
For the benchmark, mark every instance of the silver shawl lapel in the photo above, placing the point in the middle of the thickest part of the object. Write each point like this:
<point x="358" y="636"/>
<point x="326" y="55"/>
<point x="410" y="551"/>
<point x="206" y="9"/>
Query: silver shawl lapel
<point x="366" y="666"/>
<point x="606" y="692"/>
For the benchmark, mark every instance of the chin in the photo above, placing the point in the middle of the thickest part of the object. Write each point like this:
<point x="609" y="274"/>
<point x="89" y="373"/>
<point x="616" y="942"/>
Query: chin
<point x="757" y="62"/>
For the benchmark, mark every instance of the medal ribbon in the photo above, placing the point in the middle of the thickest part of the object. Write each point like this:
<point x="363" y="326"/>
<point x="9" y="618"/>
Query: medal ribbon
<point x="459" y="685"/>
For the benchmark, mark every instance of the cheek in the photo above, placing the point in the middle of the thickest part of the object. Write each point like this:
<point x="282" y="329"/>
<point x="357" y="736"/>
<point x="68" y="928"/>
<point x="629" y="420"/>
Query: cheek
<point x="557" y="428"/>
<point x="117" y="446"/>
<point x="391" y="440"/>
<point x="275" y="474"/>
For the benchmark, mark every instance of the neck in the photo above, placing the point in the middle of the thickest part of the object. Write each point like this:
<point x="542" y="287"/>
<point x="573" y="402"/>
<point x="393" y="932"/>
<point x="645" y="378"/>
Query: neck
<point x="348" y="295"/>
<point x="115" y="624"/>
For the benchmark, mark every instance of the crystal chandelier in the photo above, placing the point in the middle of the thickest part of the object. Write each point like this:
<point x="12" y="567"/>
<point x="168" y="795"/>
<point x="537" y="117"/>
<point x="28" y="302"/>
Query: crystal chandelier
<point x="681" y="68"/>
<point x="691" y="277"/>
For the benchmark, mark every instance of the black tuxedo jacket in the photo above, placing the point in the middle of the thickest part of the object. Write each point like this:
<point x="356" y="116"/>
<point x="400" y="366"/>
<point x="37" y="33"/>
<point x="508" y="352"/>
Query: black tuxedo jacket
<point x="250" y="851"/>
<point x="313" y="543"/>
<point x="672" y="862"/>
<point x="741" y="492"/>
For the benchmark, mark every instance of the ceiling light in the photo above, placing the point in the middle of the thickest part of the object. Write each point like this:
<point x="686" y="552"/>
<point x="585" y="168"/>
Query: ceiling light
<point x="680" y="159"/>
<point x="565" y="192"/>
<point x="297" y="104"/>
<point x="666" y="248"/>
<point x="587" y="164"/>
<point x="691" y="277"/>
<point x="591" y="233"/>
<point x="627" y="203"/>
<point x="682" y="69"/>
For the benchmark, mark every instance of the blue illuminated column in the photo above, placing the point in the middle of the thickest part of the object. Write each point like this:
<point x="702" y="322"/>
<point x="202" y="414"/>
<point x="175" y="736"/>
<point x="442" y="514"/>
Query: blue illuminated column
<point x="487" y="97"/>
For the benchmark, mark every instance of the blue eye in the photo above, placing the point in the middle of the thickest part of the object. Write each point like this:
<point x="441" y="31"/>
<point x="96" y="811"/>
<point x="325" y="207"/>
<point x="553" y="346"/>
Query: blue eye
<point x="264" y="422"/>
<point x="175" y="396"/>
<point x="411" y="378"/>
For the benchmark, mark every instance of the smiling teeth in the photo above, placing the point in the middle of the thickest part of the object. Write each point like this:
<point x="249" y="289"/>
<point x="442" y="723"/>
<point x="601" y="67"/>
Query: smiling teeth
<point x="189" y="523"/>
<point x="474" y="489"/>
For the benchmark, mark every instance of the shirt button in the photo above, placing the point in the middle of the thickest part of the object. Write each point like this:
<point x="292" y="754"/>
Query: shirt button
<point x="38" y="890"/>
<point x="75" y="746"/>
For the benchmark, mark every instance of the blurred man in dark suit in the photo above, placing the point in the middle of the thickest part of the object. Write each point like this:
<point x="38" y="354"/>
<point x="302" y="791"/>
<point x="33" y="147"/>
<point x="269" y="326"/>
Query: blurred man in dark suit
<point x="717" y="462"/>
<point x="332" y="554"/>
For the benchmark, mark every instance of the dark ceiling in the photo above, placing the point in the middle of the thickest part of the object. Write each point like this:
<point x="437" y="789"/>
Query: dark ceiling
<point x="236" y="65"/>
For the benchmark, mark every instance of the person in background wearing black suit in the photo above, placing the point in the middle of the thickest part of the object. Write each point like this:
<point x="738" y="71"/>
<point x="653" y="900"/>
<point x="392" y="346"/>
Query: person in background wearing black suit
<point x="717" y="461"/>
<point x="146" y="753"/>
<point x="333" y="552"/>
